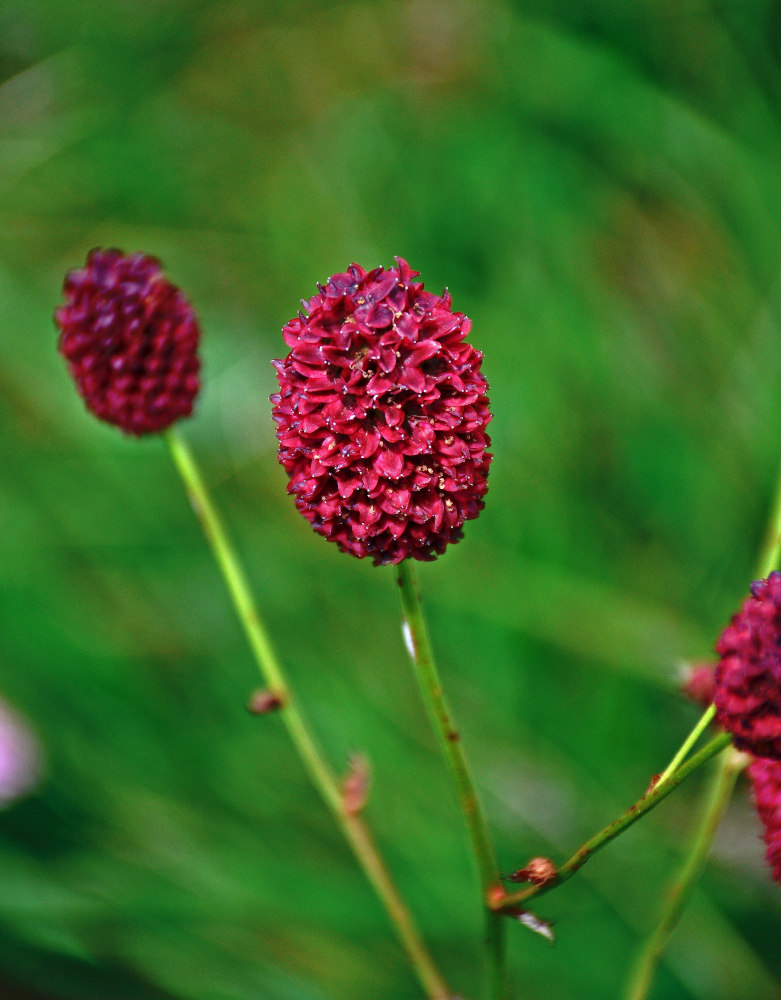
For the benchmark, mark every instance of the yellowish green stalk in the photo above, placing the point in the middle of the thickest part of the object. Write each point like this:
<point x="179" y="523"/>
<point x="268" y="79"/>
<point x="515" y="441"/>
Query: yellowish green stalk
<point x="422" y="658"/>
<point x="724" y="779"/>
<point x="729" y="767"/>
<point x="352" y="825"/>
<point x="689" y="743"/>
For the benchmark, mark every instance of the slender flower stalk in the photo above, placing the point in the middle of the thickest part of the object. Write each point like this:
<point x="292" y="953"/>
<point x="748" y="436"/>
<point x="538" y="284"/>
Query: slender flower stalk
<point x="422" y="658"/>
<point x="718" y="799"/>
<point x="652" y="798"/>
<point x="688" y="743"/>
<point x="130" y="339"/>
<point x="349" y="820"/>
<point x="381" y="418"/>
<point x="726" y="775"/>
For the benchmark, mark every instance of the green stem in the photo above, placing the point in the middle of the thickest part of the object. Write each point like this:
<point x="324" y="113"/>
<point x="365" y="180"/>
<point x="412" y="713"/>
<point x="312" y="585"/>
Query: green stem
<point x="352" y="825"/>
<point x="688" y="743"/>
<point x="652" y="798"/>
<point x="422" y="658"/>
<point x="724" y="783"/>
<point x="680" y="889"/>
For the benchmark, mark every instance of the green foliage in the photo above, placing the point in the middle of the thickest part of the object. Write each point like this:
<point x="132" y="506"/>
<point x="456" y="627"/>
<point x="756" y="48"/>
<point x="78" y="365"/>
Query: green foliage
<point x="597" y="184"/>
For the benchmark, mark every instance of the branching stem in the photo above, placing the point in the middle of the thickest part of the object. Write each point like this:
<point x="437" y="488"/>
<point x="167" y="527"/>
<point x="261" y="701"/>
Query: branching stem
<point x="713" y="811"/>
<point x="650" y="800"/>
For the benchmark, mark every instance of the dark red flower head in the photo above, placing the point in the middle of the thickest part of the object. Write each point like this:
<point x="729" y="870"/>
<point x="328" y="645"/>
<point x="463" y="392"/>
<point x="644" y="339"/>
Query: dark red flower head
<point x="747" y="681"/>
<point x="765" y="778"/>
<point x="382" y="414"/>
<point x="130" y="339"/>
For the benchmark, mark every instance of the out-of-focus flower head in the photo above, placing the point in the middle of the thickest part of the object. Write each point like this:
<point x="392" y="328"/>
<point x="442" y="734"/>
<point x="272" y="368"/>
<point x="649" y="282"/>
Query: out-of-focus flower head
<point x="765" y="776"/>
<point x="697" y="682"/>
<point x="381" y="415"/>
<point x="130" y="339"/>
<point x="20" y="756"/>
<point x="747" y="679"/>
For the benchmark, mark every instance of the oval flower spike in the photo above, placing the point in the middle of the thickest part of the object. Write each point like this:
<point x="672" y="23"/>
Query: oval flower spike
<point x="747" y="679"/>
<point x="381" y="416"/>
<point x="130" y="339"/>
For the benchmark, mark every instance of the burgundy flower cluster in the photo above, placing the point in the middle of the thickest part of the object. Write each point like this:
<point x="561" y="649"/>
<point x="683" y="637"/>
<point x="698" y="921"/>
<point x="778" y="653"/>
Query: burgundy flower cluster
<point x="765" y="778"/>
<point x="747" y="679"/>
<point x="746" y="690"/>
<point x="130" y="339"/>
<point x="381" y="416"/>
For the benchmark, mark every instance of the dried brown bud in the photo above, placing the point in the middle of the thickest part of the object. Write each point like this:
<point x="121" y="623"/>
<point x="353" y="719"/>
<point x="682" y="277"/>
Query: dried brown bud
<point x="355" y="784"/>
<point x="652" y="783"/>
<point x="262" y="702"/>
<point x="539" y="871"/>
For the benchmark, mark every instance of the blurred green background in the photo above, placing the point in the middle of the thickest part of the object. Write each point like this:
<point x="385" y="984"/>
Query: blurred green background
<point x="598" y="184"/>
